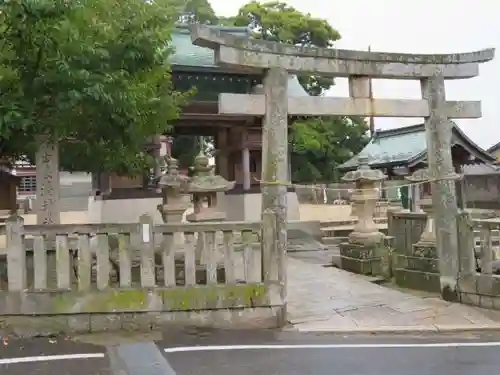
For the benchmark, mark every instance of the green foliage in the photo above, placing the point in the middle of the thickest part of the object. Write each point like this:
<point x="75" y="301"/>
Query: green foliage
<point x="319" y="145"/>
<point x="186" y="147"/>
<point x="193" y="11"/>
<point x="276" y="21"/>
<point x="92" y="73"/>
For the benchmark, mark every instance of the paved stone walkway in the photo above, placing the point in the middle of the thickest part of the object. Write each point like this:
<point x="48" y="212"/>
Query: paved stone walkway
<point x="330" y="299"/>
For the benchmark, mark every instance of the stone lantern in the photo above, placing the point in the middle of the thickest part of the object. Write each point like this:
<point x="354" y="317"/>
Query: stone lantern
<point x="204" y="186"/>
<point x="426" y="245"/>
<point x="360" y="253"/>
<point x="173" y="186"/>
<point x="365" y="197"/>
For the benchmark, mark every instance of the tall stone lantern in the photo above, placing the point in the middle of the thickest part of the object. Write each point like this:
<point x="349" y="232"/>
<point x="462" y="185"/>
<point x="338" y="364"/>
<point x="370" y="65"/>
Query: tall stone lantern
<point x="361" y="253"/>
<point x="204" y="186"/>
<point x="173" y="186"/>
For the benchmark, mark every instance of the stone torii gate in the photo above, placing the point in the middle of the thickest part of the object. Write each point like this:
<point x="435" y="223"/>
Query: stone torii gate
<point x="275" y="61"/>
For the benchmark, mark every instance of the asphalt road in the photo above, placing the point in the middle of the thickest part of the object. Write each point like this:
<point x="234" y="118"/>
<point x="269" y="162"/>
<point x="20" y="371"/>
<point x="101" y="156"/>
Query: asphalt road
<point x="302" y="354"/>
<point x="204" y="352"/>
<point x="41" y="356"/>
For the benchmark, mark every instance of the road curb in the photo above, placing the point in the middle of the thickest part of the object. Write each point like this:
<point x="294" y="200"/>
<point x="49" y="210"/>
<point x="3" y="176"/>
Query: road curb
<point x="437" y="328"/>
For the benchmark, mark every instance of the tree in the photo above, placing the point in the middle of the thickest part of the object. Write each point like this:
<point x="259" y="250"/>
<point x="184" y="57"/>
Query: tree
<point x="197" y="11"/>
<point x="186" y="147"/>
<point x="92" y="74"/>
<point x="318" y="145"/>
<point x="276" y="21"/>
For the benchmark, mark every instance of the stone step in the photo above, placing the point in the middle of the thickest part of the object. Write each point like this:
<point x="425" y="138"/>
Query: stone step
<point x="333" y="240"/>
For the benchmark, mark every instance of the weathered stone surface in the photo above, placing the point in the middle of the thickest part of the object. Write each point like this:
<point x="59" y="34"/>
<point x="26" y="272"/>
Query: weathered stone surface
<point x="184" y="298"/>
<point x="235" y="58"/>
<point x="31" y="326"/>
<point x="47" y="176"/>
<point x="330" y="299"/>
<point x="488" y="285"/>
<point x="275" y="173"/>
<point x="422" y="264"/>
<point x="470" y="298"/>
<point x="417" y="280"/>
<point x="361" y="259"/>
<point x="441" y="170"/>
<point x="254" y="105"/>
<point x="204" y="36"/>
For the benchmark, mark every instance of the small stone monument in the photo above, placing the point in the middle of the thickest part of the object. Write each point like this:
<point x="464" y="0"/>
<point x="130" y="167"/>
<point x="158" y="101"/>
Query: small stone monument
<point x="362" y="252"/>
<point x="204" y="186"/>
<point x="173" y="186"/>
<point x="426" y="245"/>
<point x="420" y="269"/>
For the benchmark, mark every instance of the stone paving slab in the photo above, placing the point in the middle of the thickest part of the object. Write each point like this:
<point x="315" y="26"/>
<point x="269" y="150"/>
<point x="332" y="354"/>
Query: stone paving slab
<point x="333" y="300"/>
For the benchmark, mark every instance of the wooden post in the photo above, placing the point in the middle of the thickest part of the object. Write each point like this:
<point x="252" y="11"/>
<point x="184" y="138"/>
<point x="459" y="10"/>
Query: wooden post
<point x="275" y="178"/>
<point x="444" y="200"/>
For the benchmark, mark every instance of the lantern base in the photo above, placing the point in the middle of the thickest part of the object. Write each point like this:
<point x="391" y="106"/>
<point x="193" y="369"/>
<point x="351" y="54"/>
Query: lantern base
<point x="363" y="259"/>
<point x="365" y="238"/>
<point x="206" y="215"/>
<point x="419" y="271"/>
<point x="172" y="213"/>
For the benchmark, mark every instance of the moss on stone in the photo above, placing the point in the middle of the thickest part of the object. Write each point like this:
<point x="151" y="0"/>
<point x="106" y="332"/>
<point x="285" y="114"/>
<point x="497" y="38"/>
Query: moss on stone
<point x="64" y="302"/>
<point x="190" y="298"/>
<point x="170" y="299"/>
<point x="117" y="300"/>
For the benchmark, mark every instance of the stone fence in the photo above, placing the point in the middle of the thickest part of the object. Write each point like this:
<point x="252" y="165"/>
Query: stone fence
<point x="480" y="191"/>
<point x="94" y="277"/>
<point x="479" y="278"/>
<point x="416" y="262"/>
<point x="331" y="193"/>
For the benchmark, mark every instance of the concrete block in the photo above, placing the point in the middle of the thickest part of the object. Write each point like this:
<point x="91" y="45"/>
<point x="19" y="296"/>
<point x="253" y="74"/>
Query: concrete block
<point x="105" y="322"/>
<point x="417" y="280"/>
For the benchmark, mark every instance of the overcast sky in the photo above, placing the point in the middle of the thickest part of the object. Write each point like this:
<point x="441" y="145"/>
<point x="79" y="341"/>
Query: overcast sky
<point x="423" y="26"/>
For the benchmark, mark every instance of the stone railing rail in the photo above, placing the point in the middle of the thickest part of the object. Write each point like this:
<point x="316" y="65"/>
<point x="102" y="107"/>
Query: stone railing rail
<point x="405" y="228"/>
<point x="479" y="279"/>
<point x="486" y="234"/>
<point x="204" y="272"/>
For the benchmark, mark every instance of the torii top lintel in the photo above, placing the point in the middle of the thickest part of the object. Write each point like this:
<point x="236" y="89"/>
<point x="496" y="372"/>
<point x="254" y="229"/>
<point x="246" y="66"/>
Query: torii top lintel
<point x="244" y="53"/>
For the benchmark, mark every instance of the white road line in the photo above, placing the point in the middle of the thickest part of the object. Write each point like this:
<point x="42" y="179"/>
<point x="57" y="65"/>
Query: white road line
<point x="46" y="358"/>
<point x="330" y="346"/>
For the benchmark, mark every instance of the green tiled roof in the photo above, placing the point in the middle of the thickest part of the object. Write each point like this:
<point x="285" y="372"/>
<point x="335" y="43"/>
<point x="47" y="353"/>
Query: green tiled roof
<point x="186" y="54"/>
<point x="408" y="146"/>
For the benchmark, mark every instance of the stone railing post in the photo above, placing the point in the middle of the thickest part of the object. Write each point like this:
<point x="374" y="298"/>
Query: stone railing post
<point x="16" y="253"/>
